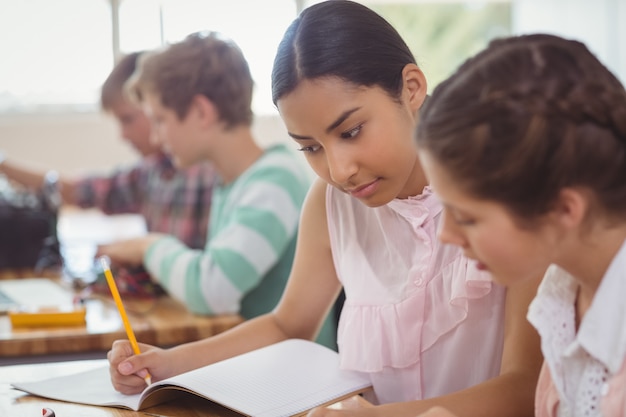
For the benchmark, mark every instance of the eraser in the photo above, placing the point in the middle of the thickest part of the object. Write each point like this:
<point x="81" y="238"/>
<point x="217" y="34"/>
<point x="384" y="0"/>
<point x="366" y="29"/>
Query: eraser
<point x="47" y="412"/>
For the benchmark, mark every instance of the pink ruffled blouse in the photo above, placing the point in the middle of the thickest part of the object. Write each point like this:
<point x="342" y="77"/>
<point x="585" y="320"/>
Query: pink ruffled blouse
<point x="419" y="318"/>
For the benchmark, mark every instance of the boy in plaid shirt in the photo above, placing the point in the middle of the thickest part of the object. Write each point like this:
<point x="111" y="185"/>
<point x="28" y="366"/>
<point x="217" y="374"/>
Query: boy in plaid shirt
<point x="172" y="201"/>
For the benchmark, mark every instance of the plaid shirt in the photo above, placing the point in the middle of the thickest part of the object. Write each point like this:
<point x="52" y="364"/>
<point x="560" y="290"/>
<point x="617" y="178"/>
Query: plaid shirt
<point x="175" y="202"/>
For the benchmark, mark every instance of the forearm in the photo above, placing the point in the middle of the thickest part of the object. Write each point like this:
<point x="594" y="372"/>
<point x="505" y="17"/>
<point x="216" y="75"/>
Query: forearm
<point x="250" y="335"/>
<point x="181" y="272"/>
<point x="215" y="280"/>
<point x="34" y="179"/>
<point x="29" y="178"/>
<point x="508" y="395"/>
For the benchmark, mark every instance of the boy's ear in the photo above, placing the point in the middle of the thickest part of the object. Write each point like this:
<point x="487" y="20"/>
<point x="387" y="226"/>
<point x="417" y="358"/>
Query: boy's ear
<point x="415" y="87"/>
<point x="204" y="109"/>
<point x="571" y="207"/>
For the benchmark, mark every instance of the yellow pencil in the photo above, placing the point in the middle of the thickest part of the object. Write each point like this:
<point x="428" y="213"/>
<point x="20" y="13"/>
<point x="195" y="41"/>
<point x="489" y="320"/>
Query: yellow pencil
<point x="118" y="302"/>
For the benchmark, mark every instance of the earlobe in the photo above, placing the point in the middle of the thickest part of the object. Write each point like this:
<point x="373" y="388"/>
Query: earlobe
<point x="415" y="86"/>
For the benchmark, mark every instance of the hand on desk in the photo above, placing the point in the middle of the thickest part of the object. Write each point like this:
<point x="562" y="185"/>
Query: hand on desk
<point x="128" y="252"/>
<point x="129" y="370"/>
<point x="355" y="408"/>
<point x="350" y="407"/>
<point x="437" y="412"/>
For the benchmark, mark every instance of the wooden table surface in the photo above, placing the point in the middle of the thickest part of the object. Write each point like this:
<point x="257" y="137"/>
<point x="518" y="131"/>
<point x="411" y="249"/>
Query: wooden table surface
<point x="162" y="322"/>
<point x="14" y="403"/>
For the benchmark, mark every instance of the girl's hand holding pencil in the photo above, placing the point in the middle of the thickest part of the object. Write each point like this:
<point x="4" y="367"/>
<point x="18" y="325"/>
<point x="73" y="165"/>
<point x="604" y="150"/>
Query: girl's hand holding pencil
<point x="128" y="370"/>
<point x="120" y="306"/>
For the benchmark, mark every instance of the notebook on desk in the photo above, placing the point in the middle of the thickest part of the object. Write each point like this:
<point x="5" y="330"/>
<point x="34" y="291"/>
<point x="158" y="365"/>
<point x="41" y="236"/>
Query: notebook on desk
<point x="29" y="293"/>
<point x="281" y="380"/>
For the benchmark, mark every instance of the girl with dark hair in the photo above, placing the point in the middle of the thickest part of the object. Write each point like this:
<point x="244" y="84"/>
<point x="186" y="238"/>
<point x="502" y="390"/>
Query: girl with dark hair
<point x="425" y="323"/>
<point x="526" y="146"/>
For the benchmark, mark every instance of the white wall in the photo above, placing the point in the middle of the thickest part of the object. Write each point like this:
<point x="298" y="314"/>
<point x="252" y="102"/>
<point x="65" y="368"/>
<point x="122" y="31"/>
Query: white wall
<point x="73" y="143"/>
<point x="69" y="142"/>
<point x="597" y="23"/>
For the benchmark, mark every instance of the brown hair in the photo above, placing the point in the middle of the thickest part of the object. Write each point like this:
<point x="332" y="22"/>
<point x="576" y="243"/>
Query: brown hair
<point x="526" y="117"/>
<point x="203" y="63"/>
<point x="113" y="87"/>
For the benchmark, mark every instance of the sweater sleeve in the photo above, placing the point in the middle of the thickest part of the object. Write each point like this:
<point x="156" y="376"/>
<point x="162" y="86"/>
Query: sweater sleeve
<point x="119" y="192"/>
<point x="252" y="225"/>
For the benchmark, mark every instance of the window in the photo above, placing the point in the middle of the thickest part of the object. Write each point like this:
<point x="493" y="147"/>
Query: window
<point x="442" y="34"/>
<point x="256" y="26"/>
<point x="56" y="54"/>
<point x="53" y="53"/>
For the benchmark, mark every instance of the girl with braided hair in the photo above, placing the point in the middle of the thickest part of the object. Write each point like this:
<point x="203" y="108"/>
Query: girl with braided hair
<point x="526" y="147"/>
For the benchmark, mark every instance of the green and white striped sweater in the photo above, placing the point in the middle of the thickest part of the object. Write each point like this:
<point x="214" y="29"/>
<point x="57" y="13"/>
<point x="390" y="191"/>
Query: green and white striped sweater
<point x="249" y="251"/>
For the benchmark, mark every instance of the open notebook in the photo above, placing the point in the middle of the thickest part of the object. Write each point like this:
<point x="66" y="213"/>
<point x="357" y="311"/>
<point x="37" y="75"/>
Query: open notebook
<point x="285" y="379"/>
<point x="32" y="293"/>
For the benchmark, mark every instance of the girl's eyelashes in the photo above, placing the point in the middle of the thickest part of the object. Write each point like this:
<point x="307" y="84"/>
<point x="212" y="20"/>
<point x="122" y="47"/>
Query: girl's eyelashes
<point x="349" y="134"/>
<point x="310" y="149"/>
<point x="463" y="221"/>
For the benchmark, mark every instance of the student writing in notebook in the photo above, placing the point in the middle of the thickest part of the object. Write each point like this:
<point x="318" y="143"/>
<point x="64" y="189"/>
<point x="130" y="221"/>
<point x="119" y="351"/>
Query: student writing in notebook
<point x="172" y="201"/>
<point x="198" y="93"/>
<point x="421" y="320"/>
<point x="526" y="146"/>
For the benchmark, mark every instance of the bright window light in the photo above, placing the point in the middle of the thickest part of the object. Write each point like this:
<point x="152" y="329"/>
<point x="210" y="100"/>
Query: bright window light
<point x="443" y="33"/>
<point x="56" y="54"/>
<point x="53" y="53"/>
<point x="247" y="22"/>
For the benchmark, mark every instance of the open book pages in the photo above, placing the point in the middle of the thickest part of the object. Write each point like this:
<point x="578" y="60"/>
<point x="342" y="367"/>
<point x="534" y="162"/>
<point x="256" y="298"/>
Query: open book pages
<point x="285" y="379"/>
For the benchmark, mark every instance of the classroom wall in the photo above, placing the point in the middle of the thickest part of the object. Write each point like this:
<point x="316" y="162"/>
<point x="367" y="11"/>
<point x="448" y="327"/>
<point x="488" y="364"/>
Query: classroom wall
<point x="599" y="24"/>
<point x="68" y="142"/>
<point x="78" y="142"/>
<point x="73" y="143"/>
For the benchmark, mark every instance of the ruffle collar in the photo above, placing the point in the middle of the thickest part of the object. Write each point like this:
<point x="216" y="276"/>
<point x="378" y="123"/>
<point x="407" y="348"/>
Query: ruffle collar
<point x="417" y="209"/>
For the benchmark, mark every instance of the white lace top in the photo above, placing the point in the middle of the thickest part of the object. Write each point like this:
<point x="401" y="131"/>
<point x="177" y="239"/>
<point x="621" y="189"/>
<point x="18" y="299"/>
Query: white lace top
<point x="581" y="363"/>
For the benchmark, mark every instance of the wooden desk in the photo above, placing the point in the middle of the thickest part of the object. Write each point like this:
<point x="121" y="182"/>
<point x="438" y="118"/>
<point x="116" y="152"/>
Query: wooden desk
<point x="164" y="322"/>
<point x="15" y="403"/>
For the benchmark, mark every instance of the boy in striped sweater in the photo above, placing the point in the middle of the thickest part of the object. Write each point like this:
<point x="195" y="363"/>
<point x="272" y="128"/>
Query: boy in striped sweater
<point x="198" y="94"/>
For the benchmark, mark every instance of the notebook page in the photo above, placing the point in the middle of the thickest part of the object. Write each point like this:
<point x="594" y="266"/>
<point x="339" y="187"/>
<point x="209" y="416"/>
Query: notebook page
<point x="284" y="379"/>
<point x="36" y="292"/>
<point x="91" y="387"/>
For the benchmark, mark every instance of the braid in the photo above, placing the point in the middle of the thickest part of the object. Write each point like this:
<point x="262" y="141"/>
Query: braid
<point x="594" y="102"/>
<point x="527" y="117"/>
<point x="589" y="102"/>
